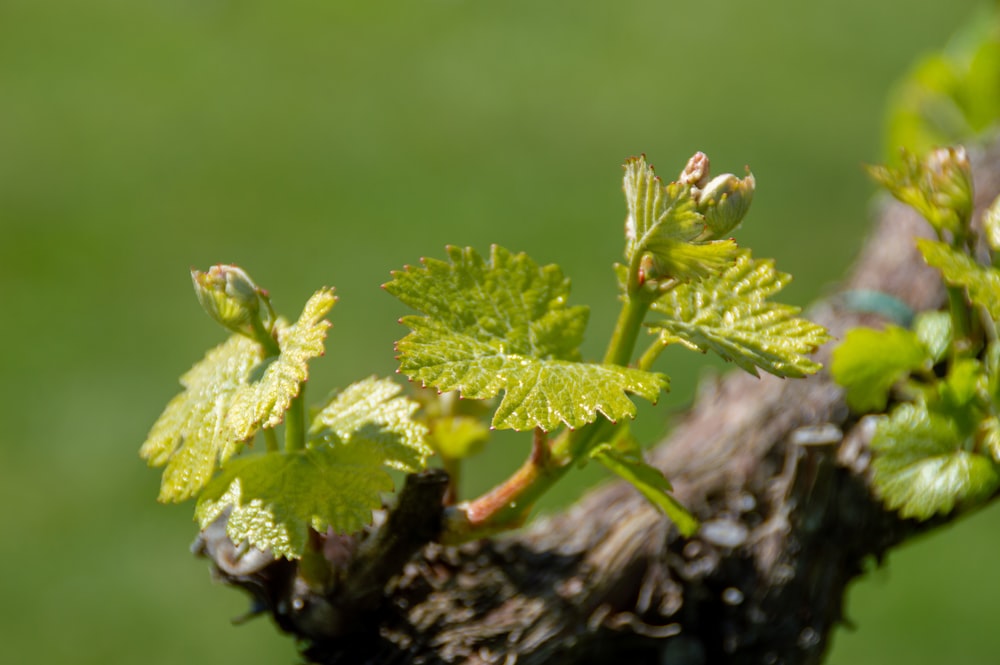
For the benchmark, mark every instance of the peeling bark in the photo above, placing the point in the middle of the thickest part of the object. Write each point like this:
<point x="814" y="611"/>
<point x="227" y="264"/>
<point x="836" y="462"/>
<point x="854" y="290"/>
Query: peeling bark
<point x="777" y="470"/>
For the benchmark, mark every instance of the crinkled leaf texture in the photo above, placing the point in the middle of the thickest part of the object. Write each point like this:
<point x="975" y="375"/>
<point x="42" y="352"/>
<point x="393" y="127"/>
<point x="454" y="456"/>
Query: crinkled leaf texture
<point x="868" y="362"/>
<point x="730" y="314"/>
<point x="371" y="413"/>
<point x="921" y="466"/>
<point x="335" y="482"/>
<point x="503" y="325"/>
<point x="222" y="405"/>
<point x="276" y="497"/>
<point x="263" y="403"/>
<point x="650" y="482"/>
<point x="193" y="434"/>
<point x="664" y="222"/>
<point x="981" y="283"/>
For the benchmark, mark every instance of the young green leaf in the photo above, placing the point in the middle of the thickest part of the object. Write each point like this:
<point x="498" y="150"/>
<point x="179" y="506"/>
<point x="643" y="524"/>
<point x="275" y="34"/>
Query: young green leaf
<point x="664" y="221"/>
<point x="371" y="413"/>
<point x="981" y="283"/>
<point x="504" y="325"/>
<point x="649" y="480"/>
<point x="922" y="466"/>
<point x="939" y="186"/>
<point x="274" y="498"/>
<point x="263" y="403"/>
<point x="868" y="362"/>
<point x="731" y="315"/>
<point x="934" y="330"/>
<point x="193" y="433"/>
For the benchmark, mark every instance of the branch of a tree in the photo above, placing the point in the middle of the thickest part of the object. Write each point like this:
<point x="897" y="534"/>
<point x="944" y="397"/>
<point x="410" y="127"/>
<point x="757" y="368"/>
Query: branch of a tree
<point x="777" y="470"/>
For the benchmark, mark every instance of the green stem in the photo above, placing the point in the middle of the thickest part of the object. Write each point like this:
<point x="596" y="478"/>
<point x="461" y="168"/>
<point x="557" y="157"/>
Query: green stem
<point x="295" y="422"/>
<point x="961" y="322"/>
<point x="507" y="505"/>
<point x="647" y="359"/>
<point x="270" y="440"/>
<point x="263" y="336"/>
<point x="627" y="329"/>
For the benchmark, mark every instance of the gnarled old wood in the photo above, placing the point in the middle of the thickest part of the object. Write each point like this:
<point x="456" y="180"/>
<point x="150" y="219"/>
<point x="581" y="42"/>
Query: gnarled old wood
<point x="777" y="470"/>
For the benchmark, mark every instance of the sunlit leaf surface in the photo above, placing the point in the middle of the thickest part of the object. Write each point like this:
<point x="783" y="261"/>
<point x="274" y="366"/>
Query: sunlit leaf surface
<point x="730" y="314"/>
<point x="923" y="467"/>
<point x="504" y="325"/>
<point x="193" y="433"/>
<point x="262" y="403"/>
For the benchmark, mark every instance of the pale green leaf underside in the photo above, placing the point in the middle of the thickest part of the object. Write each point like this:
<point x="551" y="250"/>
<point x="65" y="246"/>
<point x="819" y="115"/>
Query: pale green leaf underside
<point x="371" y="413"/>
<point x="193" y="434"/>
<point x="981" y="283"/>
<point x="263" y="403"/>
<point x="650" y="482"/>
<point x="663" y="221"/>
<point x="869" y="362"/>
<point x="503" y="325"/>
<point x="276" y="497"/>
<point x="921" y="467"/>
<point x="730" y="314"/>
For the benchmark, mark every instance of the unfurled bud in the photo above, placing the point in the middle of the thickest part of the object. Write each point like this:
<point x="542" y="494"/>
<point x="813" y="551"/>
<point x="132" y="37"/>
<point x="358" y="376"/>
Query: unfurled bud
<point x="228" y="295"/>
<point x="724" y="202"/>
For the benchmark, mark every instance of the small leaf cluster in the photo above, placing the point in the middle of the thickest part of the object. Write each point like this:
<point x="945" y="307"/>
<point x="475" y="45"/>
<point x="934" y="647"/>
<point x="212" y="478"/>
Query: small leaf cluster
<point x="495" y="344"/>
<point x="329" y="477"/>
<point x="502" y="326"/>
<point x="939" y="447"/>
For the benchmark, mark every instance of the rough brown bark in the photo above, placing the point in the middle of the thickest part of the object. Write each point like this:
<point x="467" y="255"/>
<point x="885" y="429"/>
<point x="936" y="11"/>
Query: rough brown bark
<point x="777" y="470"/>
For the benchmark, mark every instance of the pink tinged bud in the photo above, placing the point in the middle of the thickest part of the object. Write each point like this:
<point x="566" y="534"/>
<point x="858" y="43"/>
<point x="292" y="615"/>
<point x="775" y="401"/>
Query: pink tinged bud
<point x="696" y="172"/>
<point x="228" y="295"/>
<point x="724" y="202"/>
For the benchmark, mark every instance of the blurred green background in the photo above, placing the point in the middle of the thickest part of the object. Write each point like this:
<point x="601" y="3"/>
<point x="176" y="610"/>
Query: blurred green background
<point x="323" y="142"/>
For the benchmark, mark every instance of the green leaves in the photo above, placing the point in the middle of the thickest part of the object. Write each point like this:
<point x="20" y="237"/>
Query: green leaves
<point x="730" y="314"/>
<point x="194" y="432"/>
<point x="371" y="413"/>
<point x="263" y="403"/>
<point x="276" y="497"/>
<point x="943" y="449"/>
<point x="869" y="362"/>
<point x="335" y="481"/>
<point x="664" y="223"/>
<point x="650" y="481"/>
<point x="227" y="397"/>
<point x="982" y="284"/>
<point x="923" y="466"/>
<point x="503" y="325"/>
